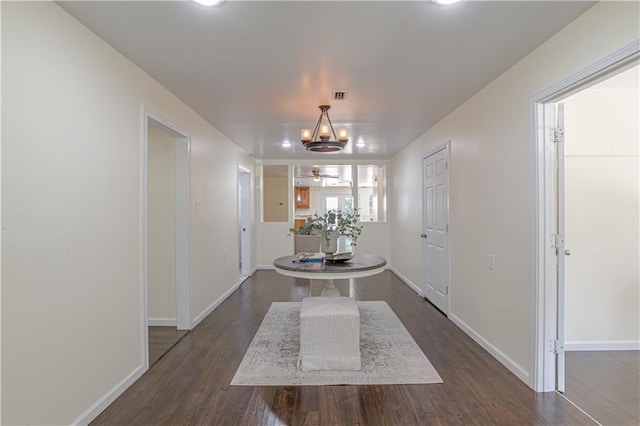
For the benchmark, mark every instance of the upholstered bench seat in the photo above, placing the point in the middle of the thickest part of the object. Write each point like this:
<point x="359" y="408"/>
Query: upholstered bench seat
<point x="329" y="334"/>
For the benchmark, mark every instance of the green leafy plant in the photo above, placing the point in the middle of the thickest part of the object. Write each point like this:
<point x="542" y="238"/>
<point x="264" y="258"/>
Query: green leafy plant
<point x="343" y="222"/>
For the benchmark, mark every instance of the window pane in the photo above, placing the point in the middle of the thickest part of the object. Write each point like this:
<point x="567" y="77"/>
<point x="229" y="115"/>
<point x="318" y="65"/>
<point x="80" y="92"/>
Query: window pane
<point x="371" y="193"/>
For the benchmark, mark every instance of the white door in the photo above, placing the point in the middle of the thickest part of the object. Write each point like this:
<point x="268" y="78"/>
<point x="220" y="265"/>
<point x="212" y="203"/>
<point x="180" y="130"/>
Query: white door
<point x="244" y="223"/>
<point x="559" y="242"/>
<point x="435" y="173"/>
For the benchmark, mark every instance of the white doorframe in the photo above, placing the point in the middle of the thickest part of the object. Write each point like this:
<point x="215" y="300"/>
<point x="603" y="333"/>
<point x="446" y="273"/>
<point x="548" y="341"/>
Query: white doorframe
<point x="244" y="220"/>
<point x="182" y="227"/>
<point x="545" y="289"/>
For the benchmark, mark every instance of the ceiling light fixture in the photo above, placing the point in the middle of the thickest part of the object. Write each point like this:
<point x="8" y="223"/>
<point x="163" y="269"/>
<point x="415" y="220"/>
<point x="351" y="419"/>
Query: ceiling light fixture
<point x="360" y="143"/>
<point x="320" y="139"/>
<point x="209" y="2"/>
<point x="286" y="144"/>
<point x="444" y="2"/>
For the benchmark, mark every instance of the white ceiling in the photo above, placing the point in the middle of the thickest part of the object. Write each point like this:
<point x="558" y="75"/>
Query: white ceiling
<point x="257" y="71"/>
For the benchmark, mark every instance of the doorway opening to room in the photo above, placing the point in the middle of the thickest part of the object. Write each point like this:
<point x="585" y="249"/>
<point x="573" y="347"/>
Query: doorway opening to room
<point x="588" y="239"/>
<point x="165" y="235"/>
<point x="244" y="223"/>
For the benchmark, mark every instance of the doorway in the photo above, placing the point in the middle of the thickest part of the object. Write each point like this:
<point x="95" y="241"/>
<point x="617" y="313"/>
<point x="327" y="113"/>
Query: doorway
<point x="165" y="231"/>
<point x="588" y="144"/>
<point x="244" y="223"/>
<point x="435" y="234"/>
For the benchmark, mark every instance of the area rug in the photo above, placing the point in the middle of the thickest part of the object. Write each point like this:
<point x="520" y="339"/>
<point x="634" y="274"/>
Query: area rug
<point x="388" y="352"/>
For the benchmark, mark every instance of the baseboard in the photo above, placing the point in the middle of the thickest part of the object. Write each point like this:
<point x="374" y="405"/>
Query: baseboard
<point x="602" y="346"/>
<point x="162" y="322"/>
<point x="106" y="400"/>
<point x="511" y="365"/>
<point x="253" y="270"/>
<point x="407" y="281"/>
<point x="214" y="305"/>
<point x="264" y="267"/>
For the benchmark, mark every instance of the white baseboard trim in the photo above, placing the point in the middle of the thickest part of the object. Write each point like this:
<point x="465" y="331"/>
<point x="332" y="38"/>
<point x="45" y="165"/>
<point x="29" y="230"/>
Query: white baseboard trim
<point x="162" y="322"/>
<point x="407" y="281"/>
<point x="602" y="346"/>
<point x="264" y="267"/>
<point x="253" y="271"/>
<point x="214" y="305"/>
<point x="511" y="365"/>
<point x="100" y="405"/>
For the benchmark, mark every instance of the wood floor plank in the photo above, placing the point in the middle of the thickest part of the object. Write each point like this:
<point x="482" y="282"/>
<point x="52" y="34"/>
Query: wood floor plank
<point x="190" y="384"/>
<point x="606" y="384"/>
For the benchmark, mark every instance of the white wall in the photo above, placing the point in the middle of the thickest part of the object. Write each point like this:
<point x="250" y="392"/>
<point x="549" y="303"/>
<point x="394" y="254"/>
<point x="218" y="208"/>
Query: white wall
<point x="71" y="114"/>
<point x="602" y="283"/>
<point x="491" y="191"/>
<point x="161" y="229"/>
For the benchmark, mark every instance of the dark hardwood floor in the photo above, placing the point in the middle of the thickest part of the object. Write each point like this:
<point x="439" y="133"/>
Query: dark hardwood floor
<point x="605" y="384"/>
<point x="161" y="339"/>
<point x="190" y="384"/>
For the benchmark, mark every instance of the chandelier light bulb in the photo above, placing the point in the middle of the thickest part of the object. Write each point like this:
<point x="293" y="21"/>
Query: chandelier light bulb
<point x="343" y="135"/>
<point x="325" y="132"/>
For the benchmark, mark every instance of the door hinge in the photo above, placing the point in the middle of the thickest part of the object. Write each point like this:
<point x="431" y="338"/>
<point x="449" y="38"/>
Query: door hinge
<point x="557" y="135"/>
<point x="446" y="228"/>
<point x="446" y="166"/>
<point x="447" y="290"/>
<point x="558" y="241"/>
<point x="557" y="347"/>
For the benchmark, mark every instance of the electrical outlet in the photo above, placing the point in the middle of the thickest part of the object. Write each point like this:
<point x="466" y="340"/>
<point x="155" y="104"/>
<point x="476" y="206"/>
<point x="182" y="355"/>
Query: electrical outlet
<point x="492" y="262"/>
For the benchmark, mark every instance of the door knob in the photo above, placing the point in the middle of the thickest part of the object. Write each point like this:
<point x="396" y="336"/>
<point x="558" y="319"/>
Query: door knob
<point x="423" y="235"/>
<point x="567" y="252"/>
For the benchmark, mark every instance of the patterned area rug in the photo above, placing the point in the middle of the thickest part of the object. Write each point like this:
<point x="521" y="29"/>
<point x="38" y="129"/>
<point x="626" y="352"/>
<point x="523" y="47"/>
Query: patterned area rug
<point x="388" y="352"/>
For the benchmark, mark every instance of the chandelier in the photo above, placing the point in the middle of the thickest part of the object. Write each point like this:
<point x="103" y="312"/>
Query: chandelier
<point x="320" y="139"/>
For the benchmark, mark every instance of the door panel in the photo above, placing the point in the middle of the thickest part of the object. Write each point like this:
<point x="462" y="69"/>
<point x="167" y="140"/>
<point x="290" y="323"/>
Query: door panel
<point x="435" y="234"/>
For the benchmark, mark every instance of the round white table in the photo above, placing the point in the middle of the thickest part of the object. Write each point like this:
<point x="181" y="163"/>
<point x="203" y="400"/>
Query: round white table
<point x="362" y="265"/>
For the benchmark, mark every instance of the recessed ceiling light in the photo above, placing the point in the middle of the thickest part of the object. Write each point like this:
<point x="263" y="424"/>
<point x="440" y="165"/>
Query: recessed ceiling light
<point x="209" y="2"/>
<point x="444" y="2"/>
<point x="360" y="143"/>
<point x="286" y="144"/>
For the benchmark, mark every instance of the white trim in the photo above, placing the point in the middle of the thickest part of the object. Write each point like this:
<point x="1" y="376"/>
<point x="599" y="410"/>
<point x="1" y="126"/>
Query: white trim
<point x="107" y="399"/>
<point x="183" y="268"/>
<point x="544" y="297"/>
<point x="510" y="364"/>
<point x="183" y="230"/>
<point x="265" y="268"/>
<point x="162" y="322"/>
<point x="144" y="310"/>
<point x="603" y="346"/>
<point x="407" y="281"/>
<point x="214" y="305"/>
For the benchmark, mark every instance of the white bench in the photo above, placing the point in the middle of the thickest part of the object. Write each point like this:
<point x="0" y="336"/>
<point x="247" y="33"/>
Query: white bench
<point x="329" y="334"/>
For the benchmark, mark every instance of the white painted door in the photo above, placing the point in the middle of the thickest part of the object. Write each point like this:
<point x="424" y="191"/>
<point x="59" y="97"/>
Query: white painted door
<point x="435" y="173"/>
<point x="559" y="243"/>
<point x="244" y="223"/>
